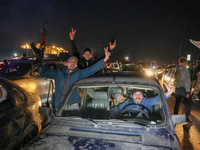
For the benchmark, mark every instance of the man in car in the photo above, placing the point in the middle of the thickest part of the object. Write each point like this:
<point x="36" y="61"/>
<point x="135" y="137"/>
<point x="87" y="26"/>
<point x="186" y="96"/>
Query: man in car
<point x="116" y="96"/>
<point x="138" y="101"/>
<point x="67" y="76"/>
<point x="86" y="59"/>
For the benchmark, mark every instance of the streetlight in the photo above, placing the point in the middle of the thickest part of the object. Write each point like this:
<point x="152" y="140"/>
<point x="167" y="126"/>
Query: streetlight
<point x="26" y="50"/>
<point x="27" y="47"/>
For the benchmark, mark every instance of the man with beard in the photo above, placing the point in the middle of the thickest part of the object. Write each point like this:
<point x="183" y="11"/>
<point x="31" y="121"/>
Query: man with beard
<point x="138" y="101"/>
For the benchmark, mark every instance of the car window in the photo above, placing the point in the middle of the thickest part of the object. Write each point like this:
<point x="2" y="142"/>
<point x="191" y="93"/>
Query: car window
<point x="17" y="69"/>
<point x="131" y="68"/>
<point x="145" y="64"/>
<point x="109" y="102"/>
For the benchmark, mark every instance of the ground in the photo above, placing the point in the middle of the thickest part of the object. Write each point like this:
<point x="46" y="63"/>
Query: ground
<point x="188" y="133"/>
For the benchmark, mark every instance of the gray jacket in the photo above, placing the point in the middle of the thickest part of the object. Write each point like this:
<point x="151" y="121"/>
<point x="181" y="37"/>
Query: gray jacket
<point x="185" y="78"/>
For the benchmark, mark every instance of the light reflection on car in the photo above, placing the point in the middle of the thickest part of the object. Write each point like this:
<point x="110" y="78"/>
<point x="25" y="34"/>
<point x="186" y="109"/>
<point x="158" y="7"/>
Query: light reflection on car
<point x="84" y="119"/>
<point x="20" y="120"/>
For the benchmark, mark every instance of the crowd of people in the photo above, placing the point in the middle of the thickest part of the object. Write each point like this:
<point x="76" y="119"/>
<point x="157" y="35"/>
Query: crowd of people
<point x="79" y="66"/>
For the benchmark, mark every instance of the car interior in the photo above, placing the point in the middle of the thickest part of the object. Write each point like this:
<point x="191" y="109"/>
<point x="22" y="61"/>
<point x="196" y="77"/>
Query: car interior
<point x="96" y="102"/>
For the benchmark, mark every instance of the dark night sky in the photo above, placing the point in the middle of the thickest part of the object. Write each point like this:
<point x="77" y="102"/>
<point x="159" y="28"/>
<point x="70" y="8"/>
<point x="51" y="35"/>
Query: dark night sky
<point x="144" y="29"/>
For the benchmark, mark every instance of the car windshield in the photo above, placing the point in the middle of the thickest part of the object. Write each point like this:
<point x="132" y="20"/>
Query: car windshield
<point x="17" y="69"/>
<point x="131" y="68"/>
<point x="145" y="64"/>
<point x="114" y="102"/>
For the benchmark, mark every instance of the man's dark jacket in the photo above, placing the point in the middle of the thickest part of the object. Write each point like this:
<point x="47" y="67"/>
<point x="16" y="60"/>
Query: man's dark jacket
<point x="82" y="62"/>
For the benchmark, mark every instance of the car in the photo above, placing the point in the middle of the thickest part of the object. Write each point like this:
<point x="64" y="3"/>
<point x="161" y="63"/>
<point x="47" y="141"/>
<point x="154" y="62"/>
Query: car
<point x="131" y="67"/>
<point x="150" y="67"/>
<point x="20" y="120"/>
<point x="84" y="119"/>
<point x="25" y="74"/>
<point x="111" y="67"/>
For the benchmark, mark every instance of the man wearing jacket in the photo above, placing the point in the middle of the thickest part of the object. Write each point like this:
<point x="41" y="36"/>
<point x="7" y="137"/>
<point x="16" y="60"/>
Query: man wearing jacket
<point x="67" y="76"/>
<point x="86" y="59"/>
<point x="182" y="84"/>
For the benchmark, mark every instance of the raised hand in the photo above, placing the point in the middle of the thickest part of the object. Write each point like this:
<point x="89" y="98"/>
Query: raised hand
<point x="107" y="54"/>
<point x="170" y="88"/>
<point x="72" y="34"/>
<point x="112" y="46"/>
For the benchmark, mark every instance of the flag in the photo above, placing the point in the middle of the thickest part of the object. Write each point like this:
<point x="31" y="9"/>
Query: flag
<point x="196" y="43"/>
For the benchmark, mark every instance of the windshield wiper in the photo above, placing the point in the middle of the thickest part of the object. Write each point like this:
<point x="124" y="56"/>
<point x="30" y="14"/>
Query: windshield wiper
<point x="138" y="121"/>
<point x="89" y="119"/>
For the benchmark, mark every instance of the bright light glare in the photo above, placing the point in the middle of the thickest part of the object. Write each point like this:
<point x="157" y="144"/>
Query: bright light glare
<point x="40" y="103"/>
<point x="149" y="73"/>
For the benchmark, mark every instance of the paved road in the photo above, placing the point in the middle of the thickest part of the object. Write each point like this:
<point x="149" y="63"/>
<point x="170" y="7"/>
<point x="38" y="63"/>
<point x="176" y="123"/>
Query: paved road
<point x="188" y="133"/>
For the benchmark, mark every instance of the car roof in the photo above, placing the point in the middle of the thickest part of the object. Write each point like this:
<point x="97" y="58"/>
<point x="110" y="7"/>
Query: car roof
<point x="136" y="78"/>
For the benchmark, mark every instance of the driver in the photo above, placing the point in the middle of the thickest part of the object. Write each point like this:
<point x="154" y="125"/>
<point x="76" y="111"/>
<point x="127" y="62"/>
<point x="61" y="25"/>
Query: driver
<point x="138" y="101"/>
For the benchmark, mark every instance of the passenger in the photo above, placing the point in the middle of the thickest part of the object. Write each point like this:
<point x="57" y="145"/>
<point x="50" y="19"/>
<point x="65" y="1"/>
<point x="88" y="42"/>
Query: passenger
<point x="67" y="76"/>
<point x="86" y="59"/>
<point x="140" y="102"/>
<point x="117" y="94"/>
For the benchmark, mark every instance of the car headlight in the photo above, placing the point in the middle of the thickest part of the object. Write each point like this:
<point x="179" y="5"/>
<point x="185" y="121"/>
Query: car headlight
<point x="149" y="73"/>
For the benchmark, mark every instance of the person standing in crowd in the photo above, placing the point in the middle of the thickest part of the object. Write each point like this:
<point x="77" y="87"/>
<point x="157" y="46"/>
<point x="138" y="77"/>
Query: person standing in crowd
<point x="182" y="84"/>
<point x="86" y="59"/>
<point x="67" y="76"/>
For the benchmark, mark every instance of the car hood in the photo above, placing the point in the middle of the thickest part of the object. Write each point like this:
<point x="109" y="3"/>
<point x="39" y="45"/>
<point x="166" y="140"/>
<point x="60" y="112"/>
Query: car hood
<point x="59" y="135"/>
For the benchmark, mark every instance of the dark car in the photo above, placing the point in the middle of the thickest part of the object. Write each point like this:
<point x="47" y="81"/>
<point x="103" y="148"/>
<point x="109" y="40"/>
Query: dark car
<point x="131" y="67"/>
<point x="20" y="120"/>
<point x="85" y="119"/>
<point x="24" y="73"/>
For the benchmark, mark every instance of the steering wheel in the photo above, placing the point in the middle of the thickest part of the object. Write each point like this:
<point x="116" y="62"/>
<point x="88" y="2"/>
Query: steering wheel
<point x="132" y="108"/>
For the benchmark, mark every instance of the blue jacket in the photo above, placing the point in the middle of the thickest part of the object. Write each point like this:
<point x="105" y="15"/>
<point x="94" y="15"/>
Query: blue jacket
<point x="60" y="76"/>
<point x="146" y="102"/>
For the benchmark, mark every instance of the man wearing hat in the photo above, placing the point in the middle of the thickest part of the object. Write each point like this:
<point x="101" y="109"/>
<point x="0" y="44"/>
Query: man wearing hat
<point x="67" y="76"/>
<point x="86" y="59"/>
<point x="138" y="101"/>
<point x="182" y="84"/>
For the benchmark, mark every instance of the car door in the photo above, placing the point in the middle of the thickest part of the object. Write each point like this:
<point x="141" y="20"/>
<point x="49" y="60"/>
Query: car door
<point x="12" y="118"/>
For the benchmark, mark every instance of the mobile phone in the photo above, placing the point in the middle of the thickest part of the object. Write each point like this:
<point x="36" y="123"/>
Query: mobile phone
<point x="112" y="40"/>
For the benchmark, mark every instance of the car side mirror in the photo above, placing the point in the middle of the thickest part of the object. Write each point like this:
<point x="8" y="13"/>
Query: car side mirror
<point x="178" y="119"/>
<point x="45" y="111"/>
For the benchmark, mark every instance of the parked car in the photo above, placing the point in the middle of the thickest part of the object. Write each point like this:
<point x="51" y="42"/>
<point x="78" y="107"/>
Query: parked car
<point x="84" y="119"/>
<point x="24" y="73"/>
<point x="111" y="67"/>
<point x="150" y="67"/>
<point x="20" y="120"/>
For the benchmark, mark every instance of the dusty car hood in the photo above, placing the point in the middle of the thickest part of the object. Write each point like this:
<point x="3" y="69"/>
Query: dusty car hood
<point x="60" y="136"/>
